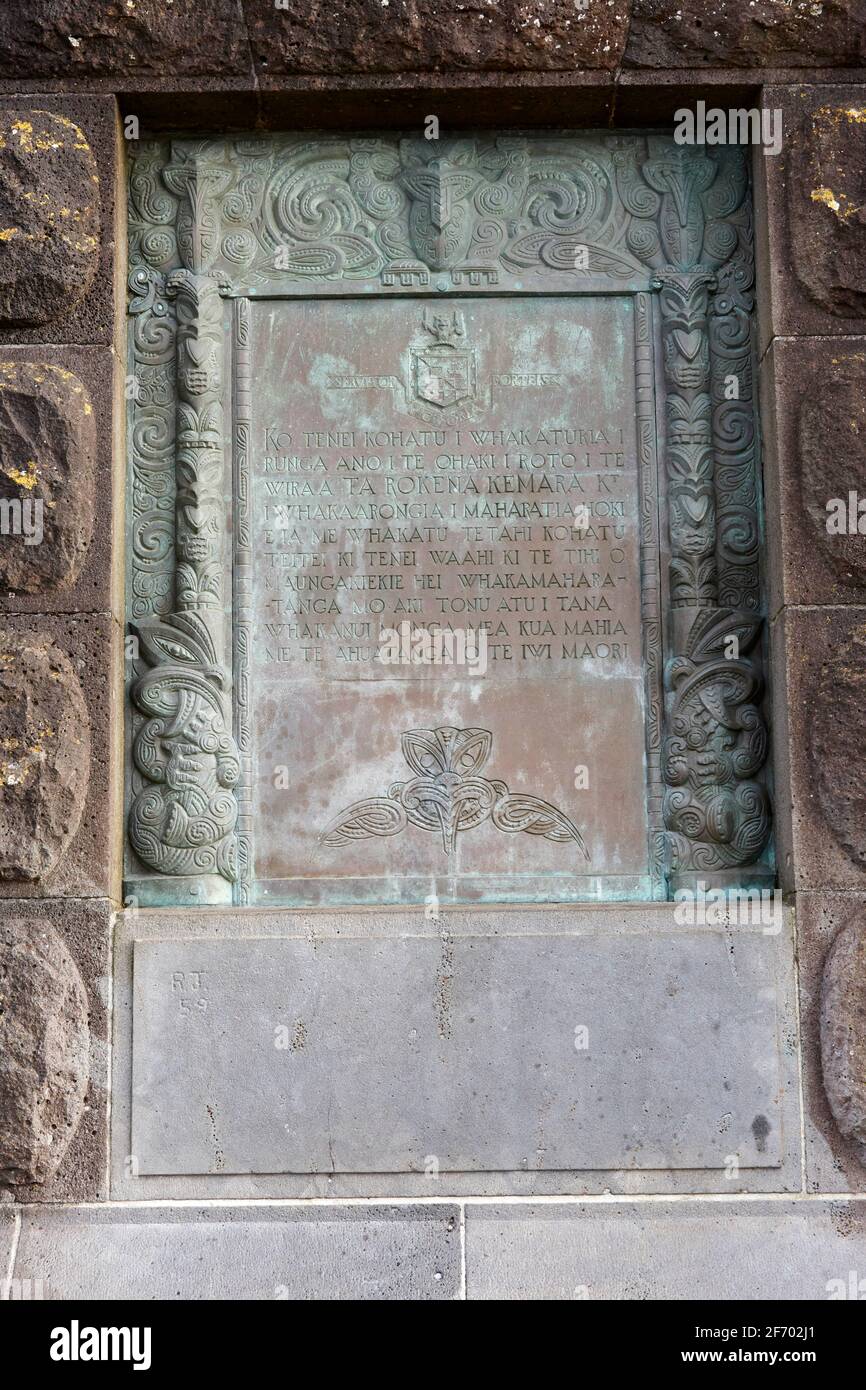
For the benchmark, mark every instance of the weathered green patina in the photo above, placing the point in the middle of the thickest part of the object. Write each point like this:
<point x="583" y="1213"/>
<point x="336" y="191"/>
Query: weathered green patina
<point x="222" y="229"/>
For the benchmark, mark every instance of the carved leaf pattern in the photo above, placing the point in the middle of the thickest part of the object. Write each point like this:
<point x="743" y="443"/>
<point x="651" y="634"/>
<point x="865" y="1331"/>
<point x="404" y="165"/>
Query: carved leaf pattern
<point x="449" y="797"/>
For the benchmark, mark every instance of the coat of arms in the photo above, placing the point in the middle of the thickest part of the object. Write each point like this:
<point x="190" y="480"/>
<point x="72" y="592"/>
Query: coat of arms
<point x="443" y="374"/>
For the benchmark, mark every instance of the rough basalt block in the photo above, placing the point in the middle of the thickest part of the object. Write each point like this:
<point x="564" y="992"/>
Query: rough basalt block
<point x="44" y="1050"/>
<point x="367" y="36"/>
<point x="843" y="1032"/>
<point x="86" y="38"/>
<point x="76" y="568"/>
<point x="47" y="461"/>
<point x="811" y="203"/>
<point x="54" y="991"/>
<point x="49" y="216"/>
<point x="58" y="216"/>
<point x="828" y="207"/>
<point x="834" y="1162"/>
<point x="819" y="695"/>
<point x="44" y="755"/>
<point x="815" y="452"/>
<point x="747" y="34"/>
<point x="58" y="760"/>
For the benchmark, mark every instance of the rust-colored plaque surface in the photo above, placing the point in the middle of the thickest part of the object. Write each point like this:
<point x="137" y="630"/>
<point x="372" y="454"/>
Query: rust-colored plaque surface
<point x="439" y="614"/>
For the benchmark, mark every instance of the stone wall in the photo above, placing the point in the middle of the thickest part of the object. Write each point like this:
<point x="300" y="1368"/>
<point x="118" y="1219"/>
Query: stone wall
<point x="71" y="72"/>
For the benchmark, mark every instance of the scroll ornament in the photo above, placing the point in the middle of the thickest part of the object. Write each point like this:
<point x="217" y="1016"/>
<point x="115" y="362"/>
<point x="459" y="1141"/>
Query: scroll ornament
<point x="448" y="795"/>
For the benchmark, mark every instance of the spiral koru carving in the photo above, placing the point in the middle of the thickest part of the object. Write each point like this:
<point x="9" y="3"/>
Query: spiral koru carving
<point x="183" y="820"/>
<point x="448" y="795"/>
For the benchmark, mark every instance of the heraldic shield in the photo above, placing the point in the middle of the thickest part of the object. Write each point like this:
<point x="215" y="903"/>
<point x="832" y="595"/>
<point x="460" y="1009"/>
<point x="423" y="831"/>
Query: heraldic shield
<point x="444" y="372"/>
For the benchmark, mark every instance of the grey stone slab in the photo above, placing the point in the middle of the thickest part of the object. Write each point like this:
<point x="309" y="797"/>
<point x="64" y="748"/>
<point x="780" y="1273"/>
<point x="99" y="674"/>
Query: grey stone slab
<point x="269" y="1252"/>
<point x="400" y="1051"/>
<point x="704" y="1249"/>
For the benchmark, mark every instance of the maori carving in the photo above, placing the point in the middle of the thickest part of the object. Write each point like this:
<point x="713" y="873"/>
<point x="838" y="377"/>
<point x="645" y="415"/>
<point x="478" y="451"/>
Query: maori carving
<point x="183" y="821"/>
<point x="259" y="216"/>
<point x="448" y="795"/>
<point x="199" y="441"/>
<point x="691" y="498"/>
<point x="717" y="813"/>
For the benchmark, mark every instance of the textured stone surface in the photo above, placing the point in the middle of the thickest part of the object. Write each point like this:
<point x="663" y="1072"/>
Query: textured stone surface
<point x="369" y="1252"/>
<point x="747" y="33"/>
<point x="58" y="206"/>
<point x="83" y="572"/>
<point x="372" y="1055"/>
<point x="691" y="1249"/>
<point x="819" y="659"/>
<point x="828" y="205"/>
<point x="843" y="1032"/>
<point x="83" y="38"/>
<point x="837" y="742"/>
<point x="352" y="36"/>
<point x="47" y="456"/>
<point x="87" y="38"/>
<point x="44" y="1050"/>
<point x="833" y="1162"/>
<point x="44" y="754"/>
<point x="87" y="832"/>
<point x="814" y="450"/>
<point x="85" y="930"/>
<point x="49" y="215"/>
<point x="811" y="205"/>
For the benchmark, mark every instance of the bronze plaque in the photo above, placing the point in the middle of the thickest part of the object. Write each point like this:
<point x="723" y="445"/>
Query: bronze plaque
<point x="444" y="516"/>
<point x="440" y="621"/>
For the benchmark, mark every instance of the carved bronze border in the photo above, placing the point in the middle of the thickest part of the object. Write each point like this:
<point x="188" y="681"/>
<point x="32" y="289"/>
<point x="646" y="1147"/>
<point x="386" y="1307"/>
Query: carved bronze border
<point x="258" y="217"/>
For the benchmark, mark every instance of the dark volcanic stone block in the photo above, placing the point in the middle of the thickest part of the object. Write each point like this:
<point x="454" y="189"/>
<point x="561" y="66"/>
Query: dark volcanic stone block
<point x="813" y="199"/>
<point x="54" y="965"/>
<point x="52" y="435"/>
<point x="44" y="1050"/>
<point x="45" y="760"/>
<point x="834" y="1162"/>
<point x="85" y="38"/>
<point x="58" y="164"/>
<point x="47" y="460"/>
<point x="815" y="451"/>
<point x="367" y="36"/>
<point x="843" y="1032"/>
<point x="58" y="787"/>
<point x="747" y="33"/>
<point x="49" y="216"/>
<point x="820" y="718"/>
